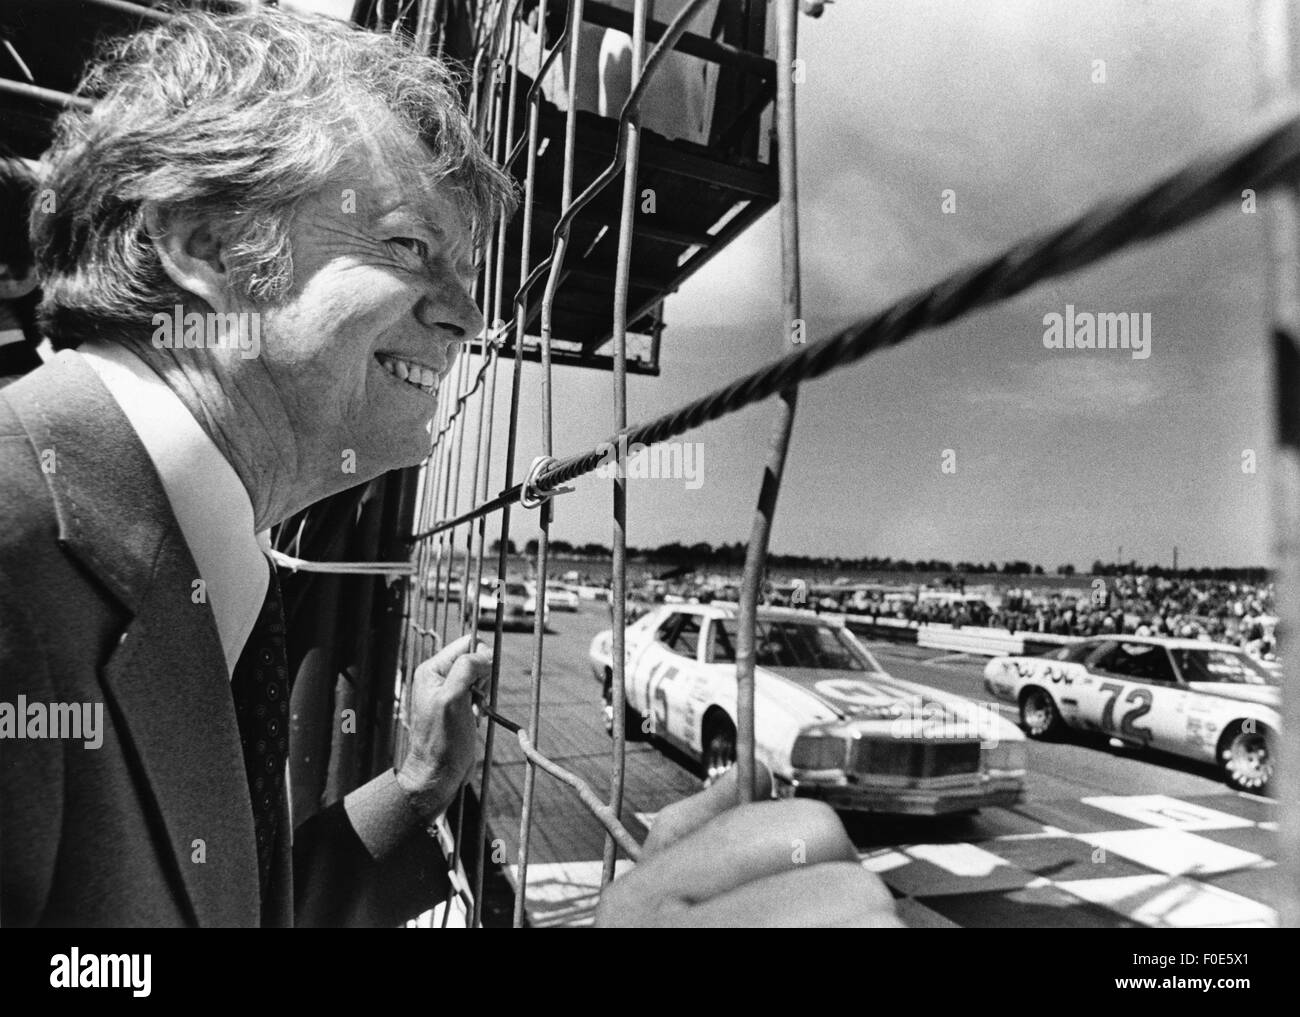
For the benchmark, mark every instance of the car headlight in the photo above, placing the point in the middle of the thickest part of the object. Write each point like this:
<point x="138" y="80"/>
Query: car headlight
<point x="1008" y="755"/>
<point x="819" y="752"/>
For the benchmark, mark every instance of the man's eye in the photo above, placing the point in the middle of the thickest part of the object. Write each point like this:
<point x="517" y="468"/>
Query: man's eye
<point x="419" y="247"/>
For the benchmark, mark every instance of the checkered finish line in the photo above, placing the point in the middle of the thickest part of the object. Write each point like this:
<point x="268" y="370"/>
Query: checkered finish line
<point x="1102" y="862"/>
<point x="1121" y="861"/>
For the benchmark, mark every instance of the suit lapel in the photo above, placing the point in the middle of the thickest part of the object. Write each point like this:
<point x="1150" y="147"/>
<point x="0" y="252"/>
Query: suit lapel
<point x="166" y="681"/>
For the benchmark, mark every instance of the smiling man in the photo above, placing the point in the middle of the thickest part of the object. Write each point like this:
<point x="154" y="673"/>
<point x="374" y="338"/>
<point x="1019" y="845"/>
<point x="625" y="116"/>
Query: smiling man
<point x="319" y="187"/>
<point x="315" y="188"/>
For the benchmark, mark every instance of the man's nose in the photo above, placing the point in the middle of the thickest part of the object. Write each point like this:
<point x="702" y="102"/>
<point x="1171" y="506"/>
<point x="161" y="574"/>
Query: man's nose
<point x="451" y="312"/>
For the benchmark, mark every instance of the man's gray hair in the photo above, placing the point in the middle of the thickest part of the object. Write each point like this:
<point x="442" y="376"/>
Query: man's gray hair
<point x="242" y="116"/>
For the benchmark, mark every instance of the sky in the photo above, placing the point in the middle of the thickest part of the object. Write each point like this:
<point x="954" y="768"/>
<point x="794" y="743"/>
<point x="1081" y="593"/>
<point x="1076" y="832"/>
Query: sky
<point x="1060" y="455"/>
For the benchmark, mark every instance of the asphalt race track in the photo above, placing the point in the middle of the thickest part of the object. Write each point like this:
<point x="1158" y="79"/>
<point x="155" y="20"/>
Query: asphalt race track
<point x="1104" y="837"/>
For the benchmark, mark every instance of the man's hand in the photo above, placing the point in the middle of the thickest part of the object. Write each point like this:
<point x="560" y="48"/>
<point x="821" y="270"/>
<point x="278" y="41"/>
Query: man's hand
<point x="443" y="738"/>
<point x="787" y="863"/>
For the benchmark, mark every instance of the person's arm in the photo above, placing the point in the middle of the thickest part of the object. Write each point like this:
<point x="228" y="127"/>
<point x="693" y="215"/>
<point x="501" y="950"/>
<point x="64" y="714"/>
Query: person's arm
<point x="709" y="863"/>
<point x="369" y="859"/>
<point x="383" y="815"/>
<point x="366" y="861"/>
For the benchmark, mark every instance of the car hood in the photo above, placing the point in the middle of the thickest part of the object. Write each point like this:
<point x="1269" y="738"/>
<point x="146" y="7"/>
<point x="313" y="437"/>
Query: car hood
<point x="876" y="703"/>
<point x="1266" y="695"/>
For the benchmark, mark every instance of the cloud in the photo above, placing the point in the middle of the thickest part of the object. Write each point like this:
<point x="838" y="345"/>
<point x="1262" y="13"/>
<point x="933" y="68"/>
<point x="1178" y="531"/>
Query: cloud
<point x="1076" y="384"/>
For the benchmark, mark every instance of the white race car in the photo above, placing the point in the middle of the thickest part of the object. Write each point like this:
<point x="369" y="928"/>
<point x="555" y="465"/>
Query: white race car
<point x="829" y="722"/>
<point x="1203" y="700"/>
<point x="516" y="601"/>
<point x="558" y="596"/>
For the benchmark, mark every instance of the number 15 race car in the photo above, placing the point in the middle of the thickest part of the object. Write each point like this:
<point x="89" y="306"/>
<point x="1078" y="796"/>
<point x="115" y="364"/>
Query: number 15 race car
<point x="1202" y="700"/>
<point x="829" y="722"/>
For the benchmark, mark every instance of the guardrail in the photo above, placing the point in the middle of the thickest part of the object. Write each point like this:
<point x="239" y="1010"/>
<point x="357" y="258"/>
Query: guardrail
<point x="964" y="639"/>
<point x="896" y="630"/>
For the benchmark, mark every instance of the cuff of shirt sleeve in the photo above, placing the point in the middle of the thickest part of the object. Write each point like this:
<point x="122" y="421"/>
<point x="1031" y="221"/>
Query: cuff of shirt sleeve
<point x="383" y="815"/>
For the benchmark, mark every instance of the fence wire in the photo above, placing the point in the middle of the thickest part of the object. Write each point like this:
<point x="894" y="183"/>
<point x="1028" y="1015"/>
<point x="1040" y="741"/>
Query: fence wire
<point x="1269" y="158"/>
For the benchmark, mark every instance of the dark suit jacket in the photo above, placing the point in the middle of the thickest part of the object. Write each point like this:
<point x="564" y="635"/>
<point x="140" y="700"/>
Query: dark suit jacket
<point x="155" y="827"/>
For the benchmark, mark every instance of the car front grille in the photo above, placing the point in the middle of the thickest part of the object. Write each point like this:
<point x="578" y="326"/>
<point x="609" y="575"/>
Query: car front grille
<point x="902" y="757"/>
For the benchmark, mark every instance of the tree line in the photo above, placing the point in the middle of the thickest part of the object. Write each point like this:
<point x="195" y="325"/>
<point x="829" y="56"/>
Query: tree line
<point x="706" y="555"/>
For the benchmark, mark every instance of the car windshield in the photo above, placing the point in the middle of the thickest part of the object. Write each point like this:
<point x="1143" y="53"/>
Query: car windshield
<point x="792" y="644"/>
<point x="1221" y="666"/>
<point x="516" y="589"/>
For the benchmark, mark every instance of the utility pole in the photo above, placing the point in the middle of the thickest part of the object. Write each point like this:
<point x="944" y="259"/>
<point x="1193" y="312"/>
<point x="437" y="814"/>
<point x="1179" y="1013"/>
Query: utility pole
<point x="1175" y="558"/>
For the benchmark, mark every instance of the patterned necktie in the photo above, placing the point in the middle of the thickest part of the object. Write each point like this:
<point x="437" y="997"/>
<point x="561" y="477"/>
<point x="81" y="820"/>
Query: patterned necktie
<point x="260" y="687"/>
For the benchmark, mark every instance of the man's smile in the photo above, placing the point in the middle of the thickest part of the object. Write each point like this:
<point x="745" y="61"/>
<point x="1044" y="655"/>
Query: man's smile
<point x="417" y="375"/>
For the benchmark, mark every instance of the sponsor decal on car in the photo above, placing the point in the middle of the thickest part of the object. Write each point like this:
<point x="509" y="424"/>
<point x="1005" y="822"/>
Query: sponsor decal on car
<point x="911" y="715"/>
<point x="854" y="695"/>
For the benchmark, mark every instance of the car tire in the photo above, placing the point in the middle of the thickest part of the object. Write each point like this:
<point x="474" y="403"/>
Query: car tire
<point x="719" y="754"/>
<point x="1246" y="759"/>
<point x="1040" y="718"/>
<point x="632" y="720"/>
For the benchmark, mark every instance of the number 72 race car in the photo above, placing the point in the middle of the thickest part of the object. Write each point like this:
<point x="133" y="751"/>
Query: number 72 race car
<point x="829" y="722"/>
<point x="1202" y="700"/>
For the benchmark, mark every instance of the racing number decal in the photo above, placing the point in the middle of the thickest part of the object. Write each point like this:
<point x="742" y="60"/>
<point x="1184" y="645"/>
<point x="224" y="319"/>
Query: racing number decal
<point x="1142" y="699"/>
<point x="1139" y="696"/>
<point x="1108" y="712"/>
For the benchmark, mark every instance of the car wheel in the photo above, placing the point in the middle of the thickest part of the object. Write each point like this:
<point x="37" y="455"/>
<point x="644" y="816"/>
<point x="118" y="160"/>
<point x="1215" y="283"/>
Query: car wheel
<point x="719" y="752"/>
<point x="1039" y="716"/>
<point x="1246" y="758"/>
<point x="631" y="719"/>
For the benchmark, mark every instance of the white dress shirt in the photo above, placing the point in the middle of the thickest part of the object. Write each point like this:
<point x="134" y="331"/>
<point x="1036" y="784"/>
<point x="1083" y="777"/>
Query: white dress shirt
<point x="207" y="497"/>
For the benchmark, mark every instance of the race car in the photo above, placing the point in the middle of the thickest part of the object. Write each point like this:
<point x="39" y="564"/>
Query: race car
<point x="829" y="722"/>
<point x="1198" y="699"/>
<point x="441" y="587"/>
<point x="517" y="602"/>
<point x="558" y="596"/>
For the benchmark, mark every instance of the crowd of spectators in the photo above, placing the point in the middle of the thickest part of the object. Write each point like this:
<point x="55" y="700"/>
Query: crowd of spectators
<point x="1232" y="612"/>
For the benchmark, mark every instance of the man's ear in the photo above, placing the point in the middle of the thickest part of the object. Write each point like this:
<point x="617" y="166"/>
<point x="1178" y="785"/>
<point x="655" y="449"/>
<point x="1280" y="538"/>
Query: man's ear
<point x="192" y="252"/>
